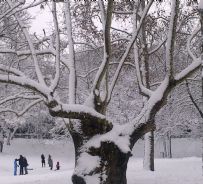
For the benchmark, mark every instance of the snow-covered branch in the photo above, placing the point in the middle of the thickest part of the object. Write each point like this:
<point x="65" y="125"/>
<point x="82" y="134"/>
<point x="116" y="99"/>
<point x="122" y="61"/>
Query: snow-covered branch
<point x="27" y="83"/>
<point x="188" y="71"/>
<point x="143" y="89"/>
<point x="106" y="23"/>
<point x="76" y="111"/>
<point x="57" y="65"/>
<point x="26" y="52"/>
<point x="193" y="100"/>
<point x="31" y="46"/>
<point x="171" y="37"/>
<point x="72" y="74"/>
<point x="11" y="70"/>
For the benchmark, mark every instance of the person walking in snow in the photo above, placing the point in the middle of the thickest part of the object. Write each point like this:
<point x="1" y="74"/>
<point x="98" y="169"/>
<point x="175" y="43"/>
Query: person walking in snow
<point x="57" y="166"/>
<point x="21" y="164"/>
<point x="25" y="164"/>
<point x="50" y="162"/>
<point x="43" y="160"/>
<point x="15" y="166"/>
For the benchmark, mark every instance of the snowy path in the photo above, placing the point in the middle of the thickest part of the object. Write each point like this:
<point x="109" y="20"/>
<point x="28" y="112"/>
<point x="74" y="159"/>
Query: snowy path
<point x="168" y="171"/>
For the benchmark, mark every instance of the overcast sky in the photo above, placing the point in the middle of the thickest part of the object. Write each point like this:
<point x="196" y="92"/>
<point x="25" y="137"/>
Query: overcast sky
<point x="42" y="18"/>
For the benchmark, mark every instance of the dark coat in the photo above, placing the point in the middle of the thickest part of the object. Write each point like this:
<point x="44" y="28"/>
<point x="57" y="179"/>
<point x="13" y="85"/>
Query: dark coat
<point x="50" y="162"/>
<point x="43" y="158"/>
<point x="20" y="161"/>
<point x="25" y="164"/>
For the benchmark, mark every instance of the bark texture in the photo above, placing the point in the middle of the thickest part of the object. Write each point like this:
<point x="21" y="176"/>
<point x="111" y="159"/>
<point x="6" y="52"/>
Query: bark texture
<point x="112" y="165"/>
<point x="149" y="151"/>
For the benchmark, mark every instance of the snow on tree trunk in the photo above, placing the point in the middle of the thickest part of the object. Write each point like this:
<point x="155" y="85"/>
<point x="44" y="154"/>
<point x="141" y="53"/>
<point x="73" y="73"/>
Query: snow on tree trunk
<point x="105" y="164"/>
<point x="148" y="162"/>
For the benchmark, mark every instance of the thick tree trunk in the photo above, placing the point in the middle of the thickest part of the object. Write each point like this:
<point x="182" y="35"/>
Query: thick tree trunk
<point x="107" y="165"/>
<point x="149" y="151"/>
<point x="101" y="164"/>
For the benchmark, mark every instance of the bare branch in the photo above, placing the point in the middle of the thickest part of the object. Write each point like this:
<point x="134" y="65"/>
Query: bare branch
<point x="123" y="12"/>
<point x="112" y="63"/>
<point x="17" y="96"/>
<point x="23" y="111"/>
<point x="122" y="31"/>
<point x="134" y="37"/>
<point x="188" y="44"/>
<point x="25" y="82"/>
<point x="11" y="70"/>
<point x="72" y="74"/>
<point x="106" y="22"/>
<point x="143" y="89"/>
<point x="11" y="9"/>
<point x="32" y="49"/>
<point x="158" y="47"/>
<point x="193" y="100"/>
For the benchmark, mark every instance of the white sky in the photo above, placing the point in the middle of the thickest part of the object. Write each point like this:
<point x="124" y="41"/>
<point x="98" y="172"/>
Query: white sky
<point x="42" y="18"/>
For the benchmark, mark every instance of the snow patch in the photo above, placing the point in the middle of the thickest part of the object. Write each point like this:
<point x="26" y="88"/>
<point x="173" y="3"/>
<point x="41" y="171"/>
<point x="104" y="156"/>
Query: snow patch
<point x="90" y="101"/>
<point x="86" y="163"/>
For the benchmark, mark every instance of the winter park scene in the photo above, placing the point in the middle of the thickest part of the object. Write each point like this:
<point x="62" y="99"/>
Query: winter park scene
<point x="101" y="91"/>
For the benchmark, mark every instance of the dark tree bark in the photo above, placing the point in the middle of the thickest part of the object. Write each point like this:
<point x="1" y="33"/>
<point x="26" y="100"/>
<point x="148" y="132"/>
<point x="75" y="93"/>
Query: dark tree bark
<point x="1" y="146"/>
<point x="112" y="167"/>
<point x="149" y="151"/>
<point x="113" y="162"/>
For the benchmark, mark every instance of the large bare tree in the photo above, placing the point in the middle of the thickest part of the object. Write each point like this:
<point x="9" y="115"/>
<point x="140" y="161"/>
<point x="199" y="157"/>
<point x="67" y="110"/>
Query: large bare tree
<point x="39" y="65"/>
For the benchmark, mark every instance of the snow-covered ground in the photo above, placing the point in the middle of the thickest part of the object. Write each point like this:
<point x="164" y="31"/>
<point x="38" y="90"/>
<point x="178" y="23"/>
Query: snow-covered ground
<point x="168" y="171"/>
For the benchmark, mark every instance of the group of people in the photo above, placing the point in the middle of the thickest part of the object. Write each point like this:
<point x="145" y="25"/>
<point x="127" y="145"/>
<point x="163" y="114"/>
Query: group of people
<point x="22" y="163"/>
<point x="50" y="162"/>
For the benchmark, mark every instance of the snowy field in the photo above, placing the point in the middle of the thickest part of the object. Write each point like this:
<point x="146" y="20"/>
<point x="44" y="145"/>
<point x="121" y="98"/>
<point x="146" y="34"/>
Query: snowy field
<point x="168" y="171"/>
